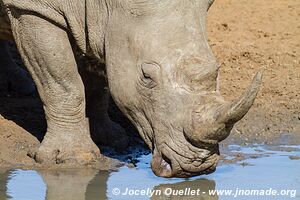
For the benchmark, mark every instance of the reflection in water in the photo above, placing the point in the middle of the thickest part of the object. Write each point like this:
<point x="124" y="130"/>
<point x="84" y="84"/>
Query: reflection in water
<point x="191" y="190"/>
<point x="274" y="168"/>
<point x="25" y="185"/>
<point x="96" y="189"/>
<point x="3" y="179"/>
<point x="67" y="184"/>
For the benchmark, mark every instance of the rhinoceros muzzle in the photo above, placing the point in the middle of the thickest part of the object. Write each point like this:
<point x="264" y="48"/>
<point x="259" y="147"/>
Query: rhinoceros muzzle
<point x="194" y="150"/>
<point x="171" y="163"/>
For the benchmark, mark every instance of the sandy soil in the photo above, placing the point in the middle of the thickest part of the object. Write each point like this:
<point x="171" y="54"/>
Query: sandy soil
<point x="246" y="36"/>
<point x="14" y="145"/>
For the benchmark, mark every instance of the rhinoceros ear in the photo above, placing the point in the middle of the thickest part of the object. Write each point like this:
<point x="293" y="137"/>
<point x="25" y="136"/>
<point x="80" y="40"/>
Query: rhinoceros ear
<point x="210" y="3"/>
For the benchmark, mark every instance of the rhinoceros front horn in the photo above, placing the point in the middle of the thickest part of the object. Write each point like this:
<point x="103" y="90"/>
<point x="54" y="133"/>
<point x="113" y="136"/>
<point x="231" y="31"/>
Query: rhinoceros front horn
<point x="238" y="108"/>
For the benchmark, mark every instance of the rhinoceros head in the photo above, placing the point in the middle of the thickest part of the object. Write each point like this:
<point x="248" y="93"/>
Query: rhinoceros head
<point x="163" y="76"/>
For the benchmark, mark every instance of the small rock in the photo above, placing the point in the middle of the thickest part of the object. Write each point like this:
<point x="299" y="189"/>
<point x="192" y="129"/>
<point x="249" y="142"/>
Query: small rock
<point x="294" y="157"/>
<point x="254" y="156"/>
<point x="130" y="165"/>
<point x="225" y="25"/>
<point x="244" y="164"/>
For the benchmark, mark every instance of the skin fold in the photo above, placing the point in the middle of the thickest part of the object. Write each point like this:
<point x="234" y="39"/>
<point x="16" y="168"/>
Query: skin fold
<point x="160" y="71"/>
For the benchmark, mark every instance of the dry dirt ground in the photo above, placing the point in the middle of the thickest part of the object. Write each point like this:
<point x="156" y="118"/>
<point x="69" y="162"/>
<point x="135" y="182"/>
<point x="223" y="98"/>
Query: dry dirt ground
<point x="246" y="36"/>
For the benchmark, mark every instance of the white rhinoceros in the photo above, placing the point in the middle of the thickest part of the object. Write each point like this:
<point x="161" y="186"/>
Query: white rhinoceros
<point x="160" y="69"/>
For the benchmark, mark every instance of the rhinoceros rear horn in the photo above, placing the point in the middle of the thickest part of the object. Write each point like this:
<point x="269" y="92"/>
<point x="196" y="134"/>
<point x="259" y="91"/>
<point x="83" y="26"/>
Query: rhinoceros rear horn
<point x="238" y="108"/>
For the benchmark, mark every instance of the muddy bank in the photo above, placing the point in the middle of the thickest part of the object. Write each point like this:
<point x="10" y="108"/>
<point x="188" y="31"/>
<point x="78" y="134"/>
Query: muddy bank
<point x="246" y="36"/>
<point x="16" y="144"/>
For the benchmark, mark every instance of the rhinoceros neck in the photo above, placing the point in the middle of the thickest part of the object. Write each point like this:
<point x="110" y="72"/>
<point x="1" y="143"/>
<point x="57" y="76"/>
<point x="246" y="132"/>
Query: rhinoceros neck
<point x="95" y="20"/>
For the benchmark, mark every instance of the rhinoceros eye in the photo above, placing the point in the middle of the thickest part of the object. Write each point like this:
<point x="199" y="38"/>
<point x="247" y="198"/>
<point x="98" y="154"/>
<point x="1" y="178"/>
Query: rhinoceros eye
<point x="150" y="74"/>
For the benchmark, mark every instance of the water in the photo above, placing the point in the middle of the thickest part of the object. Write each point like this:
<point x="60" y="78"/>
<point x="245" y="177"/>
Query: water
<point x="265" y="169"/>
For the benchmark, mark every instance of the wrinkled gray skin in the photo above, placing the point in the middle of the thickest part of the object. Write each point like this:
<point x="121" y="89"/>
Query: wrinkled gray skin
<point x="160" y="69"/>
<point x="20" y="83"/>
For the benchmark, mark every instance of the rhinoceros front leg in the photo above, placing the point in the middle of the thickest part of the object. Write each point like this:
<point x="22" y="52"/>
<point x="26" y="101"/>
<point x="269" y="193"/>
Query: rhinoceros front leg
<point x="103" y="130"/>
<point x="48" y="55"/>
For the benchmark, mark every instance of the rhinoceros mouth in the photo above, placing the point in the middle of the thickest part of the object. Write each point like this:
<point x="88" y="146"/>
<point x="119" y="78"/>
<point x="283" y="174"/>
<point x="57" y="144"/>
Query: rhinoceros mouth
<point x="179" y="158"/>
<point x="170" y="164"/>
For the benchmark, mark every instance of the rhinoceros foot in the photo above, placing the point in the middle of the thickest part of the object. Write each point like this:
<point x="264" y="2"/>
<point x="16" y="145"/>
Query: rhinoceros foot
<point x="49" y="154"/>
<point x="67" y="146"/>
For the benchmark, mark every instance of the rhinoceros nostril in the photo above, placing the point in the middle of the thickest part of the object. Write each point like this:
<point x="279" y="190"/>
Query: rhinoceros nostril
<point x="161" y="165"/>
<point x="166" y="162"/>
